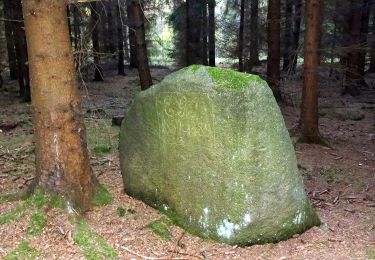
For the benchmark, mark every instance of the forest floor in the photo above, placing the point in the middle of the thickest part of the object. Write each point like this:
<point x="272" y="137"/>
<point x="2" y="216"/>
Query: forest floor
<point x="339" y="180"/>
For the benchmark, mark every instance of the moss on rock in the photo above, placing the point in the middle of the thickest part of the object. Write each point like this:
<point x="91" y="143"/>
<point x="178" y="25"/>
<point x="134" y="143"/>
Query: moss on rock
<point x="210" y="148"/>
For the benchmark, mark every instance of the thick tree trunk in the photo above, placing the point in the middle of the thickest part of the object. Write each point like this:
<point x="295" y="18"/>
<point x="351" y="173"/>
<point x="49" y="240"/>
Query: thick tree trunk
<point x="211" y="32"/>
<point x="273" y="38"/>
<point x="62" y="158"/>
<point x="352" y="76"/>
<point x="132" y="40"/>
<point x="120" y="43"/>
<point x="372" y="46"/>
<point x="254" y="39"/>
<point x="288" y="30"/>
<point x="142" y="58"/>
<point x="98" y="76"/>
<point x="9" y="34"/>
<point x="204" y="33"/>
<point x="193" y="32"/>
<point x="309" y="108"/>
<point x="296" y="31"/>
<point x="241" y="37"/>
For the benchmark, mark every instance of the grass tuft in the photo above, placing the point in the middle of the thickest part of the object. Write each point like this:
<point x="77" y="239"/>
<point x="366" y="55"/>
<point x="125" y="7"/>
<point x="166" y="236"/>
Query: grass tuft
<point x="101" y="197"/>
<point x="37" y="223"/>
<point x="160" y="228"/>
<point x="23" y="251"/>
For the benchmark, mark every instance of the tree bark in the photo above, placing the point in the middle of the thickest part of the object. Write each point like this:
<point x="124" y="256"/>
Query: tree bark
<point x="296" y="31"/>
<point x="372" y="46"/>
<point x="241" y="37"/>
<point x="76" y="27"/>
<point x="204" y="33"/>
<point x="211" y="32"/>
<point x="273" y="38"/>
<point x="352" y="75"/>
<point x="364" y="44"/>
<point x="120" y="43"/>
<point x="254" y="39"/>
<point x="110" y="40"/>
<point x="334" y="36"/>
<point x="62" y="159"/>
<point x="98" y="76"/>
<point x="193" y="32"/>
<point x="132" y="40"/>
<point x="288" y="30"/>
<point x="9" y="34"/>
<point x="142" y="57"/>
<point x="309" y="108"/>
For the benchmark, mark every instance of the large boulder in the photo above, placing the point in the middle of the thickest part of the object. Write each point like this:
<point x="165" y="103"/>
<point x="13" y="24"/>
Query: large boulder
<point x="209" y="147"/>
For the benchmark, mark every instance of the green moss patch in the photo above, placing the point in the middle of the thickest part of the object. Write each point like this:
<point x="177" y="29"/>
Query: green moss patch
<point x="102" y="137"/>
<point x="92" y="245"/>
<point x="160" y="228"/>
<point x="23" y="251"/>
<point x="101" y="197"/>
<point x="37" y="223"/>
<point x="370" y="252"/>
<point x="121" y="212"/>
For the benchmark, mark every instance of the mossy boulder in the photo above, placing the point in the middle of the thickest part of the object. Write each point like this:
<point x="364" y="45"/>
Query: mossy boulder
<point x="209" y="147"/>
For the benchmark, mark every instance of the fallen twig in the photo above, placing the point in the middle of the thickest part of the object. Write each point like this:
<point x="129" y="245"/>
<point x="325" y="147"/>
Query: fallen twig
<point x="150" y="257"/>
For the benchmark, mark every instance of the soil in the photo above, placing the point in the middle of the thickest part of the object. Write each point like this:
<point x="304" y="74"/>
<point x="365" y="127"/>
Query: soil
<point x="339" y="180"/>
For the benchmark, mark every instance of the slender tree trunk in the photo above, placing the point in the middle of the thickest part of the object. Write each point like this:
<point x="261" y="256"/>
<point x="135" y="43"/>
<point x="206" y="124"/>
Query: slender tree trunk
<point x="241" y="37"/>
<point x="126" y="44"/>
<point x="334" y="36"/>
<point x="372" y="46"/>
<point x="296" y="31"/>
<point x="9" y="34"/>
<point x="76" y="27"/>
<point x="69" y="23"/>
<point x="204" y="33"/>
<point x="95" y="41"/>
<point x="273" y="36"/>
<point x="120" y="45"/>
<point x="142" y="58"/>
<point x="288" y="30"/>
<point x="254" y="39"/>
<point x="352" y="75"/>
<point x="211" y="32"/>
<point x="132" y="39"/>
<point x="364" y="44"/>
<point x="309" y="108"/>
<point x="111" y="28"/>
<point x="193" y="32"/>
<point x="60" y="138"/>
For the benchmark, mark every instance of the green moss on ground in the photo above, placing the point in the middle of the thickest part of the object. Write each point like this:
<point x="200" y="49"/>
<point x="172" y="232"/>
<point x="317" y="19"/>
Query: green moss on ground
<point x="23" y="251"/>
<point x="160" y="228"/>
<point x="101" y="197"/>
<point x="92" y="245"/>
<point x="370" y="252"/>
<point x="37" y="223"/>
<point x="102" y="137"/>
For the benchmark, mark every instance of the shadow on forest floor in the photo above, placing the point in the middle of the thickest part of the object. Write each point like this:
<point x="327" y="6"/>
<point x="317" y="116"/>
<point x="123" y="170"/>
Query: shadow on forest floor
<point x="340" y="181"/>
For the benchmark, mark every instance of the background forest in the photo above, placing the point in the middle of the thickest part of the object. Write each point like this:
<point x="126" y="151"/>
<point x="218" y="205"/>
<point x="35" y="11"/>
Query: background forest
<point x="317" y="56"/>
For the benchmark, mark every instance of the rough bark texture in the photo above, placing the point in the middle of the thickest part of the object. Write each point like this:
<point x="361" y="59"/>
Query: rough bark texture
<point x="254" y="39"/>
<point x="296" y="31"/>
<point x="193" y="32"/>
<point x="211" y="32"/>
<point x="352" y="76"/>
<point x="132" y="39"/>
<point x="309" y="108"/>
<point x="142" y="58"/>
<point x="288" y="30"/>
<point x="273" y="38"/>
<point x="95" y="20"/>
<point x="241" y="37"/>
<point x="60" y="138"/>
<point x="204" y="33"/>
<point x="120" y="43"/>
<point x="9" y="34"/>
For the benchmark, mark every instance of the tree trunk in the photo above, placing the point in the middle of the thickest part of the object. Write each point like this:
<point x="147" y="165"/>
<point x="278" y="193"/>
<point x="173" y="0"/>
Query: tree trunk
<point x="142" y="58"/>
<point x="372" y="46"/>
<point x="132" y="40"/>
<point x="120" y="38"/>
<point x="288" y="30"/>
<point x="309" y="108"/>
<point x="76" y="27"/>
<point x="296" y="31"/>
<point x="204" y="33"/>
<point x="273" y="38"/>
<point x="211" y="32"/>
<point x="9" y="34"/>
<point x="334" y="36"/>
<point x="62" y="159"/>
<point x="193" y="32"/>
<point x="241" y="37"/>
<point x="364" y="44"/>
<point x="110" y="41"/>
<point x="254" y="39"/>
<point x="95" y="41"/>
<point x="352" y="75"/>
<point x="126" y="44"/>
